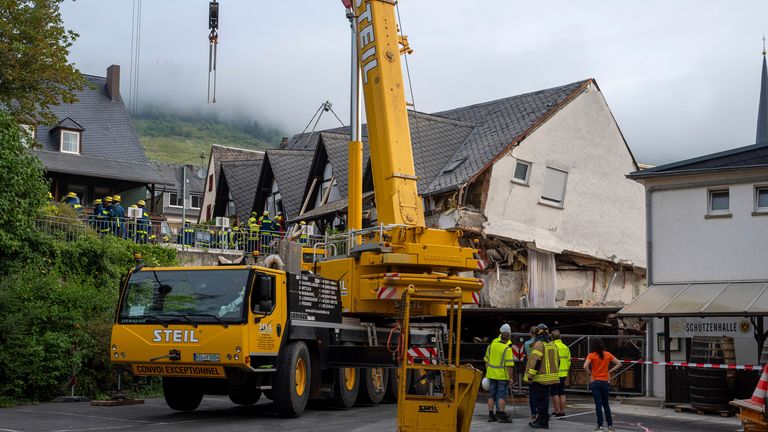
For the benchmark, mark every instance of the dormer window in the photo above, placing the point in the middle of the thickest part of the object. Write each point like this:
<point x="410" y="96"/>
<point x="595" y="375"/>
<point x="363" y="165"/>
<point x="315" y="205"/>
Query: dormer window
<point x="70" y="134"/>
<point x="70" y="141"/>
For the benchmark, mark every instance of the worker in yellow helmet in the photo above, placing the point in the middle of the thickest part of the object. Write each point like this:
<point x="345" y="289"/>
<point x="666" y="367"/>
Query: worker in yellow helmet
<point x="72" y="200"/>
<point x="118" y="216"/>
<point x="106" y="216"/>
<point x="143" y="225"/>
<point x="95" y="217"/>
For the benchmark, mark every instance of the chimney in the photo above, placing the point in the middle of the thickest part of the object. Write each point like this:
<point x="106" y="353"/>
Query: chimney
<point x="284" y="143"/>
<point x="113" y="83"/>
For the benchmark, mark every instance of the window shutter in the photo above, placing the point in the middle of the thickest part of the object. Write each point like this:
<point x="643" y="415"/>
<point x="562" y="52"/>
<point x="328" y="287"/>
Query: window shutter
<point x="554" y="185"/>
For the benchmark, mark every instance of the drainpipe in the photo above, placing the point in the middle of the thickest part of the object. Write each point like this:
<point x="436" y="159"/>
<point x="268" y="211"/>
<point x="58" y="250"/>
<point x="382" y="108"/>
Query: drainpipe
<point x="649" y="356"/>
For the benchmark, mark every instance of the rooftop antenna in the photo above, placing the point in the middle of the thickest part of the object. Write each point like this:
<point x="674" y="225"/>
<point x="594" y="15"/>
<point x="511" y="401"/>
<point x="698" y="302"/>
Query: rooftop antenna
<point x="213" y="43"/>
<point x="763" y="44"/>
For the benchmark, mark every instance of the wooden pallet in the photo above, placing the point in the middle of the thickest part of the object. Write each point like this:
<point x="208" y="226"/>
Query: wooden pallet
<point x="691" y="409"/>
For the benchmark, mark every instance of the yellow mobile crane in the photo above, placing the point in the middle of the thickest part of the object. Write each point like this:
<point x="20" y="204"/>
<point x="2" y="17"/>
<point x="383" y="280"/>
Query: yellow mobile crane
<point x="245" y="331"/>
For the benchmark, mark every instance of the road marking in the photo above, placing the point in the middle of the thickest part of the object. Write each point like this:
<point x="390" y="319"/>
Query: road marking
<point x="567" y="416"/>
<point x="9" y="430"/>
<point x="84" y="415"/>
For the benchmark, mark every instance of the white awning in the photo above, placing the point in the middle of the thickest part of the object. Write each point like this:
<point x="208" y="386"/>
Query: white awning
<point x="701" y="299"/>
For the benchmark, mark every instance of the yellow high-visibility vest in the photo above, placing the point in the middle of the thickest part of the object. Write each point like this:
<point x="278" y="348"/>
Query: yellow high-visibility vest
<point x="499" y="357"/>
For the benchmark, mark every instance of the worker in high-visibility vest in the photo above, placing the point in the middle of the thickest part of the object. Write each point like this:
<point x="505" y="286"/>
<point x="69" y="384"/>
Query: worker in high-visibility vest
<point x="558" y="390"/>
<point x="542" y="373"/>
<point x="499" y="366"/>
<point x="107" y="223"/>
<point x="304" y="236"/>
<point x="143" y="224"/>
<point x="253" y="234"/>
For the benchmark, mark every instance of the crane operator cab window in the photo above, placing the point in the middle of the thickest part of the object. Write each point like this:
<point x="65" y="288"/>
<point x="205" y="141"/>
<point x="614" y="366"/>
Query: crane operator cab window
<point x="263" y="294"/>
<point x="185" y="297"/>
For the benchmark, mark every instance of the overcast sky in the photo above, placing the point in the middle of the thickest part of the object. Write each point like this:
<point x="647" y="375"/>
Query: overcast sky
<point x="681" y="77"/>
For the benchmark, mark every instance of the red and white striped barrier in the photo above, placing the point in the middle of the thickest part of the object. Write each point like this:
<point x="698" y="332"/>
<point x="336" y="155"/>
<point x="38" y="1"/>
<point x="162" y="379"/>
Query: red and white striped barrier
<point x="386" y="293"/>
<point x="689" y="364"/>
<point x="476" y="298"/>
<point x="518" y="351"/>
<point x="423" y="355"/>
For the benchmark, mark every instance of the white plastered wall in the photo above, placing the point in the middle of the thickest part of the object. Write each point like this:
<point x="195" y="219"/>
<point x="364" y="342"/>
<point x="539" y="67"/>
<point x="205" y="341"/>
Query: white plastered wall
<point x="603" y="215"/>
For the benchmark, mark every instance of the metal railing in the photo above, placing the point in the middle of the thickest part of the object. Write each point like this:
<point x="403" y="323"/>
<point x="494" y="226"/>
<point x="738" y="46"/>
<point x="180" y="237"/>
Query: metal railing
<point x="205" y="237"/>
<point x="628" y="380"/>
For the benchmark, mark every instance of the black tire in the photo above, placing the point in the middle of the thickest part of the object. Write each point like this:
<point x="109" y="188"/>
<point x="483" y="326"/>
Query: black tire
<point x="346" y="387"/>
<point x="372" y="392"/>
<point x="181" y="394"/>
<point x="248" y="397"/>
<point x="390" y="395"/>
<point x="290" y="395"/>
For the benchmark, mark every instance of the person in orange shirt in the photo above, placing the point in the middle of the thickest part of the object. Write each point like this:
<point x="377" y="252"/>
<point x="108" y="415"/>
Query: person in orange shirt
<point x="597" y="364"/>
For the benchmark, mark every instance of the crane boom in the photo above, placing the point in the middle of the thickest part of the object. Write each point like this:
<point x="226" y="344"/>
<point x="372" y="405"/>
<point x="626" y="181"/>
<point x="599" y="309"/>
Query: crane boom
<point x="394" y="175"/>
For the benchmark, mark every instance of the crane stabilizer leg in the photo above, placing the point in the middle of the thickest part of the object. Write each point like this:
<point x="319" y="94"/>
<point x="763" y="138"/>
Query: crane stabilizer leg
<point x="452" y="406"/>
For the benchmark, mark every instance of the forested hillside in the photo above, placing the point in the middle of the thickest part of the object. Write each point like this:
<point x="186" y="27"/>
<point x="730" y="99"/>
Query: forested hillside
<point x="170" y="136"/>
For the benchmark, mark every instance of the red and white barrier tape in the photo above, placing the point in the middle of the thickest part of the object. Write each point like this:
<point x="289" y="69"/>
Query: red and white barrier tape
<point x="689" y="364"/>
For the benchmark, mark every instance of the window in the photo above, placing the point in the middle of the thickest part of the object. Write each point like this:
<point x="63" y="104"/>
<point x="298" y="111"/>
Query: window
<point x="522" y="172"/>
<point x="274" y="200"/>
<point x="70" y="142"/>
<point x="761" y="199"/>
<point x="210" y="183"/>
<point x="196" y="201"/>
<point x="208" y="212"/>
<point x="554" y="187"/>
<point x="719" y="202"/>
<point x="174" y="200"/>
<point x="329" y="190"/>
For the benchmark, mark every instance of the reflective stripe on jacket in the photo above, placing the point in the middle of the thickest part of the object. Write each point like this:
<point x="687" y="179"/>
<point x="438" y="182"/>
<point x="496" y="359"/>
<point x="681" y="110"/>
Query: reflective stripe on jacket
<point x="565" y="358"/>
<point x="545" y="371"/>
<point x="499" y="357"/>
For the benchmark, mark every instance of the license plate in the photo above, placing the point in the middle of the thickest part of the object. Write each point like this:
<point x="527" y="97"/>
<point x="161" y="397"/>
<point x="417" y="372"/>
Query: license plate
<point x="179" y="370"/>
<point x="204" y="357"/>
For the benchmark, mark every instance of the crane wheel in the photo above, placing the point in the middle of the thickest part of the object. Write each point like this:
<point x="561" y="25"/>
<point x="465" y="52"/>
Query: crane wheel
<point x="248" y="397"/>
<point x="346" y="387"/>
<point x="373" y="385"/>
<point x="390" y="394"/>
<point x="181" y="394"/>
<point x="292" y="380"/>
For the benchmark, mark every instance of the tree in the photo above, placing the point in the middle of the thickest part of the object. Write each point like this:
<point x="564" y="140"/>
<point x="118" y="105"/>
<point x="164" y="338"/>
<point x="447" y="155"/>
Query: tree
<point x="34" y="71"/>
<point x="24" y="188"/>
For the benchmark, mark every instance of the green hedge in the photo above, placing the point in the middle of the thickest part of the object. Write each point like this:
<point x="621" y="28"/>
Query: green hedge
<point x="56" y="313"/>
<point x="57" y="298"/>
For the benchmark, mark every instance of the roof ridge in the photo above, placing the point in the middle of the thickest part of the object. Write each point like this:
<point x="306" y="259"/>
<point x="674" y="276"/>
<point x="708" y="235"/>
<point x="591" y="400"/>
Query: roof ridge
<point x="236" y="148"/>
<point x="702" y="158"/>
<point x="576" y="83"/>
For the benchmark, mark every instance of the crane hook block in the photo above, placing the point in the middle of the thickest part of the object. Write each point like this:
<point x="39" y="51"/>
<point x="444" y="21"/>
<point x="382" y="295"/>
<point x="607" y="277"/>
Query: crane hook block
<point x="213" y="15"/>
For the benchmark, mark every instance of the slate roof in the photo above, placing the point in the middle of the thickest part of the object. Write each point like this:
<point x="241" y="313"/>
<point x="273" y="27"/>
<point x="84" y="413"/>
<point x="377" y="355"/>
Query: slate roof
<point x="242" y="179"/>
<point x="108" y="131"/>
<point x="55" y="161"/>
<point x="174" y="176"/>
<point x="337" y="148"/>
<point x="109" y="147"/>
<point x="762" y="108"/>
<point x="499" y="125"/>
<point x="290" y="169"/>
<point x="747" y="157"/>
<point x="221" y="153"/>
<point x="477" y="135"/>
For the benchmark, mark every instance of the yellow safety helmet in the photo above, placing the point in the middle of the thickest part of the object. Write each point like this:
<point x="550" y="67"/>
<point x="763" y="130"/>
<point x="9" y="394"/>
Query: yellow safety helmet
<point x="97" y="201"/>
<point x="302" y="223"/>
<point x="50" y="195"/>
<point x="141" y="203"/>
<point x="116" y="198"/>
<point x="71" y="195"/>
<point x="107" y="199"/>
<point x="266" y="212"/>
<point x="133" y="206"/>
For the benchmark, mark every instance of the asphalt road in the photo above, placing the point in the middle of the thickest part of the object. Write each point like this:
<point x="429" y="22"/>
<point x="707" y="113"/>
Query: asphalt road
<point x="219" y="414"/>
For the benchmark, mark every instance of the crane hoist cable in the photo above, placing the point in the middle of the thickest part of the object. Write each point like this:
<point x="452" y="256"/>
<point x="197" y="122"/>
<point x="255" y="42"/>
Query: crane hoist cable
<point x="213" y="43"/>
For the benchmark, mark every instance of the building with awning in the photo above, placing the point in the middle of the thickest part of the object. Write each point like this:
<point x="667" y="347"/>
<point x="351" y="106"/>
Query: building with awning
<point x="707" y="237"/>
